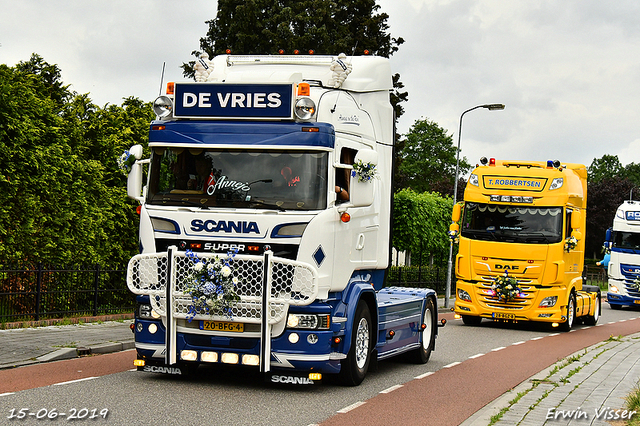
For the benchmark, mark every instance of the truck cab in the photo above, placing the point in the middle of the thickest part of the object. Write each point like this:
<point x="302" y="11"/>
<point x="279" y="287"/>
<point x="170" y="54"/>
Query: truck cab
<point x="278" y="168"/>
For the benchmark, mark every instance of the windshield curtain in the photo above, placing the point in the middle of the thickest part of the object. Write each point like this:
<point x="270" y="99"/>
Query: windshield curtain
<point x="292" y="180"/>
<point x="495" y="222"/>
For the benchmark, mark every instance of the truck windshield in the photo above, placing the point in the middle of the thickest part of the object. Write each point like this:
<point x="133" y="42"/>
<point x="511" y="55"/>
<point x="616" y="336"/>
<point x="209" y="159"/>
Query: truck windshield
<point x="495" y="222"/>
<point x="260" y="179"/>
<point x="626" y="240"/>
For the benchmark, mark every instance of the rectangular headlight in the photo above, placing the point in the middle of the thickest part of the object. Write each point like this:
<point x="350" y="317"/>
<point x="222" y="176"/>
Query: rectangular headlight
<point x="309" y="321"/>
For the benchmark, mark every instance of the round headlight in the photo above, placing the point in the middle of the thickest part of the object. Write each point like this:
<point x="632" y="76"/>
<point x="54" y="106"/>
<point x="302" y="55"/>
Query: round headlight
<point x="162" y="106"/>
<point x="305" y="108"/>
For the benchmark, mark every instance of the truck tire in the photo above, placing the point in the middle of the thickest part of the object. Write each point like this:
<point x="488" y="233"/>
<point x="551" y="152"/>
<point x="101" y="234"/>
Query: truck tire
<point x="427" y="340"/>
<point x="571" y="313"/>
<point x="354" y="367"/>
<point x="471" y="320"/>
<point x="593" y="319"/>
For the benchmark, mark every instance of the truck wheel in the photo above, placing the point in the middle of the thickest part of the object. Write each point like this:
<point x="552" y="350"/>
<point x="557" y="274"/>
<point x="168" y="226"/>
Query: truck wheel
<point x="471" y="320"/>
<point x="422" y="354"/>
<point x="593" y="319"/>
<point x="571" y="314"/>
<point x="354" y="367"/>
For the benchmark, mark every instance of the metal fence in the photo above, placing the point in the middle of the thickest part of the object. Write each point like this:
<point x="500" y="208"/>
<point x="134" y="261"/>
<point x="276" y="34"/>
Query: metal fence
<point x="434" y="277"/>
<point x="43" y="292"/>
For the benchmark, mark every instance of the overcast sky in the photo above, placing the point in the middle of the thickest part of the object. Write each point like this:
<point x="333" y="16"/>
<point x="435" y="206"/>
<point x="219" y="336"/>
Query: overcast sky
<point x="568" y="71"/>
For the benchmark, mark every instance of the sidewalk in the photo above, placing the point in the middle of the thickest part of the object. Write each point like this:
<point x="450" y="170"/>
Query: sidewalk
<point x="586" y="388"/>
<point x="24" y="346"/>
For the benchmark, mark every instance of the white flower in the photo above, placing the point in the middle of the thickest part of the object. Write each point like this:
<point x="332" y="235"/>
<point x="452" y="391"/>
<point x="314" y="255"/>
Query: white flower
<point x="235" y="280"/>
<point x="210" y="267"/>
<point x="225" y="271"/>
<point x="210" y="303"/>
<point x="220" y="296"/>
<point x="198" y="266"/>
<point x="509" y="287"/>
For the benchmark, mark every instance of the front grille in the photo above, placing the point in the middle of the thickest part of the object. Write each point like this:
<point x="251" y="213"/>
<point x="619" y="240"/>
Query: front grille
<point x="292" y="283"/>
<point x="484" y="294"/>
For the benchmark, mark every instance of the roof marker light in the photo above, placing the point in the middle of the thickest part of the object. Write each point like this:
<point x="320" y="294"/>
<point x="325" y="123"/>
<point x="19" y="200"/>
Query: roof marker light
<point x="170" y="87"/>
<point x="492" y="162"/>
<point x="549" y="164"/>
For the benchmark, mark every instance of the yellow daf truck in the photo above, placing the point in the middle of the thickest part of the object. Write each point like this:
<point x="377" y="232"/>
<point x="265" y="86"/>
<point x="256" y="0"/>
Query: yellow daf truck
<point x="521" y="233"/>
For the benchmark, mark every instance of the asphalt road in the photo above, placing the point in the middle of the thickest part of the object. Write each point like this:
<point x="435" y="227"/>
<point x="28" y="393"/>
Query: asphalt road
<point x="235" y="397"/>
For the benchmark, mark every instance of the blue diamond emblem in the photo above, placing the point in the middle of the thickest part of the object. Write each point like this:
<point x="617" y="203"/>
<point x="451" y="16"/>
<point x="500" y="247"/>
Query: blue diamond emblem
<point x="319" y="256"/>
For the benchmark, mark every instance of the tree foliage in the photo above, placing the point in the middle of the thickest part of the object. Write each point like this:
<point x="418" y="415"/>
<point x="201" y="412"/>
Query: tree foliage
<point x="421" y="222"/>
<point x="62" y="197"/>
<point x="328" y="27"/>
<point x="427" y="161"/>
<point x="608" y="166"/>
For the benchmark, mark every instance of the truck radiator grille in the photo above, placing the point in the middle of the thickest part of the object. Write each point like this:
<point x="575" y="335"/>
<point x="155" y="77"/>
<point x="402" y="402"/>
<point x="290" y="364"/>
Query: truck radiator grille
<point x="485" y="295"/>
<point x="292" y="283"/>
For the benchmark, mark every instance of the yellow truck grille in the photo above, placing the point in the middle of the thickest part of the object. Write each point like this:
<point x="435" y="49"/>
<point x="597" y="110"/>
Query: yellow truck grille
<point x="486" y="297"/>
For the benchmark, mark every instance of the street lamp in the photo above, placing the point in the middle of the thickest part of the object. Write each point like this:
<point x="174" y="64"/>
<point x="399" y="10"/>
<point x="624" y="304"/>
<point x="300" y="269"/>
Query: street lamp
<point x="490" y="107"/>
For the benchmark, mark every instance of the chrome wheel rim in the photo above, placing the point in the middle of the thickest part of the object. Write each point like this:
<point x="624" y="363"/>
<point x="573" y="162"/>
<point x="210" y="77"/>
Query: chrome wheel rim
<point x="362" y="343"/>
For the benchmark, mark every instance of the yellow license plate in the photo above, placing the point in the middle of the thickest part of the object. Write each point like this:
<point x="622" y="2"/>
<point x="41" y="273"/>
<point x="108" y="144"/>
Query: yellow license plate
<point x="504" y="316"/>
<point x="637" y="302"/>
<point x="235" y="327"/>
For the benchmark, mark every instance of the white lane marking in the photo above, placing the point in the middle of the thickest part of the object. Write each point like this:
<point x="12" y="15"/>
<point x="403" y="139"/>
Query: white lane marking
<point x="536" y="338"/>
<point x="518" y="343"/>
<point x="476" y="356"/>
<point x="6" y="393"/>
<point x="422" y="376"/>
<point x="452" y="364"/>
<point x="554" y="334"/>
<point x="497" y="349"/>
<point x="351" y="407"/>
<point x="74" y="381"/>
<point x="391" y="389"/>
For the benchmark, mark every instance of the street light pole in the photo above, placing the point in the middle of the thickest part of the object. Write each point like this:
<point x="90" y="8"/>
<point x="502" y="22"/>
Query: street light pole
<point x="490" y="107"/>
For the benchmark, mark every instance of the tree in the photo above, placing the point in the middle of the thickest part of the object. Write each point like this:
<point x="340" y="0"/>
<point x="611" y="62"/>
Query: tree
<point x="421" y="222"/>
<point x="606" y="167"/>
<point x="62" y="198"/>
<point x="250" y="27"/>
<point x="428" y="160"/>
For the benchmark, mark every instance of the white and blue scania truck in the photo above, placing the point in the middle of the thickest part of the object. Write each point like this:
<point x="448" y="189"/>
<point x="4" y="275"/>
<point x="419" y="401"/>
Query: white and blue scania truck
<point x="623" y="240"/>
<point x="265" y="223"/>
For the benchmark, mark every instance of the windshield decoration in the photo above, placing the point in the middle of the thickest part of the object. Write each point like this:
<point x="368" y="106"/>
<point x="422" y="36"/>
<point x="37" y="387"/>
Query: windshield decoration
<point x="514" y="224"/>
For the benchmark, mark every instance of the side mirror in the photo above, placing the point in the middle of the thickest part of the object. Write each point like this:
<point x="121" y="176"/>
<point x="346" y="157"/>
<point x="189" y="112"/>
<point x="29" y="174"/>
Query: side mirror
<point x="454" y="227"/>
<point x="576" y="234"/>
<point x="136" y="151"/>
<point x="361" y="193"/>
<point x="455" y="215"/>
<point x="576" y="219"/>
<point x="134" y="179"/>
<point x="607" y="237"/>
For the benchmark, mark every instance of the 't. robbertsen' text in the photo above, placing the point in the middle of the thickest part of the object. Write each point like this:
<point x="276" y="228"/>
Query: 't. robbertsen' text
<point x="600" y="414"/>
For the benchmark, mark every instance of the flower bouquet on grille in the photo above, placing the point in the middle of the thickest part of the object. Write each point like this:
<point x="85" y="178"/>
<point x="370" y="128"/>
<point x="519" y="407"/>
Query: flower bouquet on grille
<point x="506" y="287"/>
<point x="211" y="285"/>
<point x="364" y="171"/>
<point x="635" y="285"/>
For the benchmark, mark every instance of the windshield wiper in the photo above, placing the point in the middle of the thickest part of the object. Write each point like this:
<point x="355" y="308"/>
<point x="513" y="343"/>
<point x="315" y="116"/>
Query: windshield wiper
<point x="266" y="205"/>
<point x="193" y="203"/>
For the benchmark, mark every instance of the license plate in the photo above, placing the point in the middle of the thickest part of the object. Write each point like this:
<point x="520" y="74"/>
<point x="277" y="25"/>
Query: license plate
<point x="637" y="302"/>
<point x="504" y="316"/>
<point x="235" y="327"/>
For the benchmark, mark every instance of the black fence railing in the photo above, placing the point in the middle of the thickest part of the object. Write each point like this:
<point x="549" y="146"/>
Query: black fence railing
<point x="434" y="277"/>
<point x="43" y="292"/>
